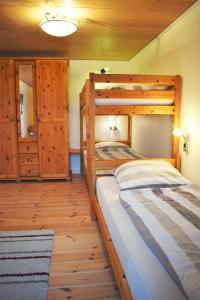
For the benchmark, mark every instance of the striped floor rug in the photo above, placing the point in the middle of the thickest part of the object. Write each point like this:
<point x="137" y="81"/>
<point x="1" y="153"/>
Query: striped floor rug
<point x="24" y="264"/>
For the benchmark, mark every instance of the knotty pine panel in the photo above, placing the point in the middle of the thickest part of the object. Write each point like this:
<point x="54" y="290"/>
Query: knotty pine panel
<point x="8" y="155"/>
<point x="29" y="170"/>
<point x="51" y="78"/>
<point x="8" y="130"/>
<point x="52" y="88"/>
<point x="28" y="147"/>
<point x="53" y="149"/>
<point x="28" y="159"/>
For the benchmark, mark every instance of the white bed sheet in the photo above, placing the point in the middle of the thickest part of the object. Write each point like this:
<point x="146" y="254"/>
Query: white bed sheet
<point x="146" y="277"/>
<point x="136" y="102"/>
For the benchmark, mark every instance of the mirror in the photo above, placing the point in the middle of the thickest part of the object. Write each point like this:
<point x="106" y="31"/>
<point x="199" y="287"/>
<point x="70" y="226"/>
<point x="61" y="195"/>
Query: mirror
<point x="26" y="100"/>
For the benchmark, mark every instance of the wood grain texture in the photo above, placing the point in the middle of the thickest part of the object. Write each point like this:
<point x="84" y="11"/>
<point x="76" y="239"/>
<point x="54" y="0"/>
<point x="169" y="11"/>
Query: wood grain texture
<point x="130" y="94"/>
<point x="8" y="127"/>
<point x="80" y="268"/>
<point x="108" y="30"/>
<point x="118" y="270"/>
<point x="133" y="110"/>
<point x="26" y="147"/>
<point x="29" y="170"/>
<point x="51" y="78"/>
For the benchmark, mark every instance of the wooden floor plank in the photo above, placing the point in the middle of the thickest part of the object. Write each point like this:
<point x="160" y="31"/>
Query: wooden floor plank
<point x="80" y="268"/>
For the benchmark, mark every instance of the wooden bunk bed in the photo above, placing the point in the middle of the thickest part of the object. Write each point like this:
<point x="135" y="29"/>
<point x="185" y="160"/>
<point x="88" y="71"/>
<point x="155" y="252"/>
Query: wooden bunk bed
<point x="90" y="106"/>
<point x="120" y="101"/>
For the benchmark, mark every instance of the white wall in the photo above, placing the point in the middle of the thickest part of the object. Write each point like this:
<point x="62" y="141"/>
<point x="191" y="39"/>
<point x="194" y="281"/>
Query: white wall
<point x="177" y="51"/>
<point x="152" y="135"/>
<point x="78" y="72"/>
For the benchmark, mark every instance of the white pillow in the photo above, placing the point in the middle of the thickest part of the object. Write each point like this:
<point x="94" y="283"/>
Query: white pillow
<point x="147" y="174"/>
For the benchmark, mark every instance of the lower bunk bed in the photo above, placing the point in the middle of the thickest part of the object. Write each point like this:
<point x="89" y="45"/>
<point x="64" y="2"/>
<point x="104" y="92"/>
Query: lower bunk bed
<point x="150" y="219"/>
<point x="110" y="151"/>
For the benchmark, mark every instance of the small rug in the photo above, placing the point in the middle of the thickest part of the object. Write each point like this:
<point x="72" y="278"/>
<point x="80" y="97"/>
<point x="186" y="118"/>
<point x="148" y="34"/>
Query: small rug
<point x="24" y="264"/>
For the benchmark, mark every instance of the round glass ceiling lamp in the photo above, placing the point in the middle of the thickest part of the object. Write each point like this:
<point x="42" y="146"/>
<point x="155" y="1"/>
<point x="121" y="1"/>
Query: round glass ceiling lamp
<point x="58" y="27"/>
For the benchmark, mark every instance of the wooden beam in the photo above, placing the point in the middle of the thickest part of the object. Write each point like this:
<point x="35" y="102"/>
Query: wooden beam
<point x="117" y="268"/>
<point x="130" y="125"/>
<point x="133" y="110"/>
<point x="137" y="94"/>
<point x="176" y="123"/>
<point x="128" y="78"/>
<point x="110" y="164"/>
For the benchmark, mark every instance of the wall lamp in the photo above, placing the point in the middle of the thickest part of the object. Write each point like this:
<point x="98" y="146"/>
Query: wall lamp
<point x="111" y="121"/>
<point x="178" y="132"/>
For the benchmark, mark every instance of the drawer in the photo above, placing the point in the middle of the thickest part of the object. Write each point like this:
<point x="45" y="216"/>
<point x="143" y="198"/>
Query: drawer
<point x="28" y="147"/>
<point x="28" y="159"/>
<point x="29" y="170"/>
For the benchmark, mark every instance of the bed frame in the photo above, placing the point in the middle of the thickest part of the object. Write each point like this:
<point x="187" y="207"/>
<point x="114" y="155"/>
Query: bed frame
<point x="89" y="110"/>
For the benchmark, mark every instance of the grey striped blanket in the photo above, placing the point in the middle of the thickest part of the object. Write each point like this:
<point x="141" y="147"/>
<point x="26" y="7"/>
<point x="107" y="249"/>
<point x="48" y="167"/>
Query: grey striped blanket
<point x="116" y="152"/>
<point x="168" y="220"/>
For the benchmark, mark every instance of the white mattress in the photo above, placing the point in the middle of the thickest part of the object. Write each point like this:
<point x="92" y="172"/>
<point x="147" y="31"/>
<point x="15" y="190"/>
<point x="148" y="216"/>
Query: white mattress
<point x="146" y="277"/>
<point x="136" y="102"/>
<point x="131" y="86"/>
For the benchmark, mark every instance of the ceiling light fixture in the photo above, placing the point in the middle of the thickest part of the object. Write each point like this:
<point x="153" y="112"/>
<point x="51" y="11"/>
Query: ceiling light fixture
<point x="56" y="26"/>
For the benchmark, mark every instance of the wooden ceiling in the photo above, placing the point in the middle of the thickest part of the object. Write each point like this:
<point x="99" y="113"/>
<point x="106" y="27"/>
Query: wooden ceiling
<point x="108" y="29"/>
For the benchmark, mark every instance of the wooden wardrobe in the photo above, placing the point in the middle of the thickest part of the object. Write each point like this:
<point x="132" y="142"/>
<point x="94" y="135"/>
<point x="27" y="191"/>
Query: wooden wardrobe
<point x="34" y="119"/>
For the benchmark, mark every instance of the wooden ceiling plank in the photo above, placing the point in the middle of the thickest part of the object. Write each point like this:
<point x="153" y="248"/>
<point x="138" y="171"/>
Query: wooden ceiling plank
<point x="112" y="29"/>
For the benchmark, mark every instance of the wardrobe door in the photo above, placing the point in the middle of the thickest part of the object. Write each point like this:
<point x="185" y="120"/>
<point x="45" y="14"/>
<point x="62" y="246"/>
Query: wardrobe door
<point x="8" y="126"/>
<point x="51" y="84"/>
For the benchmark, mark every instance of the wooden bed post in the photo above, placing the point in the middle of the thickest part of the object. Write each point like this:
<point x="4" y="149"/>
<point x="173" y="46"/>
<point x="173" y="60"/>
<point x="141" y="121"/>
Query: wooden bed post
<point x="92" y="189"/>
<point x="81" y="135"/>
<point x="175" y="142"/>
<point x="91" y="144"/>
<point x="130" y="130"/>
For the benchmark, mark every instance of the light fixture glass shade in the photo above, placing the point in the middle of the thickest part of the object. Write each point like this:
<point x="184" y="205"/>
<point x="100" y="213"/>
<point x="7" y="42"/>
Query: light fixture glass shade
<point x="177" y="132"/>
<point x="58" y="28"/>
<point x="112" y="122"/>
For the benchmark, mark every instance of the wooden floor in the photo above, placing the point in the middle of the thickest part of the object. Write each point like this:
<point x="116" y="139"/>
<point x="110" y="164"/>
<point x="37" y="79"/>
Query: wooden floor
<point x="80" y="268"/>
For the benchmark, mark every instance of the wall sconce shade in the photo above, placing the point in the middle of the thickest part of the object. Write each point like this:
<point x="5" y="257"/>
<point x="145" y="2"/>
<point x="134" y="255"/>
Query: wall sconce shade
<point x="178" y="132"/>
<point x="57" y="26"/>
<point x="111" y="120"/>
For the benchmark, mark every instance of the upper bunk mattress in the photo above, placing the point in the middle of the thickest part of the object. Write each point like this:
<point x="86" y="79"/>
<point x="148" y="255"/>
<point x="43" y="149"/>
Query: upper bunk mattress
<point x="135" y="102"/>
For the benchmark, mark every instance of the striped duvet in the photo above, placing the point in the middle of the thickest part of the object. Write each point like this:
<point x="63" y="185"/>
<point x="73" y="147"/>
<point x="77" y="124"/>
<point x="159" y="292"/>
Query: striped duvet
<point x="168" y="219"/>
<point x="116" y="152"/>
<point x="112" y="151"/>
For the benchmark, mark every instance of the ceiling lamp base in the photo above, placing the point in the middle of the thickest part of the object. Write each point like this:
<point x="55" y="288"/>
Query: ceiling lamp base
<point x="58" y="27"/>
